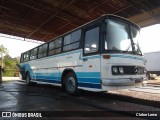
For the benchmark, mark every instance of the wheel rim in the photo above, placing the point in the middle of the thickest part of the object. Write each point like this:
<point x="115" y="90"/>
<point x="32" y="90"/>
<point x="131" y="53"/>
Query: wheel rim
<point x="71" y="84"/>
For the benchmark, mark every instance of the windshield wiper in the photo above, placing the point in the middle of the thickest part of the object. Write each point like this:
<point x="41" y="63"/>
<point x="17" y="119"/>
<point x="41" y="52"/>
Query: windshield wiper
<point x="138" y="49"/>
<point x="127" y="49"/>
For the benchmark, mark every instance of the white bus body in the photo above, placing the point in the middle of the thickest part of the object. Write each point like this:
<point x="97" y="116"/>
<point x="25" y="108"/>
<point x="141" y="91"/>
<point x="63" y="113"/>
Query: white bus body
<point x="100" y="71"/>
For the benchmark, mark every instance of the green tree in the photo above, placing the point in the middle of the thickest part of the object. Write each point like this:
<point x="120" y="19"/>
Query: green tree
<point x="3" y="51"/>
<point x="9" y="64"/>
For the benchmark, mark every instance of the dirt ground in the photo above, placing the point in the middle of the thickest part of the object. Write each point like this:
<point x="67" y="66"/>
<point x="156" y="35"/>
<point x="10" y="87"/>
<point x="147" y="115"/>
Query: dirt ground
<point x="154" y="81"/>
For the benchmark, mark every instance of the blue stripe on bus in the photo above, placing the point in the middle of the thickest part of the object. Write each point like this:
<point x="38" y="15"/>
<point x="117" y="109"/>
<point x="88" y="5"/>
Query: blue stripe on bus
<point x="53" y="74"/>
<point x="78" y="74"/>
<point x="88" y="74"/>
<point x="85" y="80"/>
<point x="52" y="77"/>
<point x="87" y="85"/>
<point x="90" y="85"/>
<point x="89" y="80"/>
<point x="80" y="84"/>
<point x="50" y="81"/>
<point x="126" y="56"/>
<point x="90" y="57"/>
<point x="47" y="77"/>
<point x="48" y="74"/>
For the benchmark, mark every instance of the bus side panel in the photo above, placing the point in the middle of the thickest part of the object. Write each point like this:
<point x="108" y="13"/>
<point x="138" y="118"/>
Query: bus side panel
<point x="36" y="67"/>
<point x="90" y="77"/>
<point x="70" y="61"/>
<point x="87" y="72"/>
<point x="50" y="69"/>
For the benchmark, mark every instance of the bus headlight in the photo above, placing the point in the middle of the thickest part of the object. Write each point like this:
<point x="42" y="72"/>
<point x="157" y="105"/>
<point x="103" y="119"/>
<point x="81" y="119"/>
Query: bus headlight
<point x="115" y="70"/>
<point x="121" y="70"/>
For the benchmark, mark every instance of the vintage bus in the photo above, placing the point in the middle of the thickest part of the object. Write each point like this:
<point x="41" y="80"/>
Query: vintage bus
<point x="101" y="55"/>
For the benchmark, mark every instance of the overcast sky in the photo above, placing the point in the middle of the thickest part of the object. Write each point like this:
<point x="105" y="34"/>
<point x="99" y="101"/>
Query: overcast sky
<point x="150" y="41"/>
<point x="150" y="38"/>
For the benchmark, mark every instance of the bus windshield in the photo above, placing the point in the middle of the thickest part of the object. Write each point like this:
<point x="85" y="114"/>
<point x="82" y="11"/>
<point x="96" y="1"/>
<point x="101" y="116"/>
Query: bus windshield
<point x="118" y="37"/>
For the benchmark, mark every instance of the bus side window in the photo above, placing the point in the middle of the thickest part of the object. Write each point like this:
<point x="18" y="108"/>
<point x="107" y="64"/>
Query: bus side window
<point x="55" y="47"/>
<point x="26" y="56"/>
<point x="42" y="52"/>
<point x="71" y="41"/>
<point x="91" y="41"/>
<point x="33" y="54"/>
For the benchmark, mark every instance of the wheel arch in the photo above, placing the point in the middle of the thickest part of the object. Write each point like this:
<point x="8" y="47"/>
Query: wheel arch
<point x="64" y="73"/>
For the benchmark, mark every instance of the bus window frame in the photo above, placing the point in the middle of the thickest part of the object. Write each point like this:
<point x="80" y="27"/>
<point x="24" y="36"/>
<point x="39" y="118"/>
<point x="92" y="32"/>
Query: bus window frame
<point x="70" y="33"/>
<point x="42" y="52"/>
<point x="36" y="54"/>
<point x="22" y="58"/>
<point x="55" y="48"/>
<point x="90" y="27"/>
<point x="29" y="52"/>
<point x="126" y="22"/>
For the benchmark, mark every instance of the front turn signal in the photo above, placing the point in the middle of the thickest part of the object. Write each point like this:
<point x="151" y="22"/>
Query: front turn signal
<point x="106" y="56"/>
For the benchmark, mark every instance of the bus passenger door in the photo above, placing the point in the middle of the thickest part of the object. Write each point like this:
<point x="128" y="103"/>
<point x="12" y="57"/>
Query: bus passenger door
<point x="91" y="59"/>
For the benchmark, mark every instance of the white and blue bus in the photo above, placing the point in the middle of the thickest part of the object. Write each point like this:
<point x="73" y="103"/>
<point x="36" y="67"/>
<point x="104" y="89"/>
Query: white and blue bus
<point x="101" y="55"/>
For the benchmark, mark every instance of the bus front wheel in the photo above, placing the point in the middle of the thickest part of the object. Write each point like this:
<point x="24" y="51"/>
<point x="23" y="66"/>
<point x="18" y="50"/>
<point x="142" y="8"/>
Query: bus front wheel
<point x="71" y="83"/>
<point x="148" y="76"/>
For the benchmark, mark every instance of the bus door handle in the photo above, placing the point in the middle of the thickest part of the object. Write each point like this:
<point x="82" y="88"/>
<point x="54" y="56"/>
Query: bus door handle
<point x="85" y="59"/>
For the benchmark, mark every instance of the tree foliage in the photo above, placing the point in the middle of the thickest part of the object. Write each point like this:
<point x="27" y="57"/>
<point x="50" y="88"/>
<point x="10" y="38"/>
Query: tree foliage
<point x="3" y="50"/>
<point x="9" y="64"/>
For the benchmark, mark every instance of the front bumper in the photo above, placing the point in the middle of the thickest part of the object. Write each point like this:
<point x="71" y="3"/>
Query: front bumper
<point x="122" y="81"/>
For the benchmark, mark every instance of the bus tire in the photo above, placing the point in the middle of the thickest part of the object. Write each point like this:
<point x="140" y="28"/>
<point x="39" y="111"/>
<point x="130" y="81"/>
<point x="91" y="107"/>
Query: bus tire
<point x="148" y="76"/>
<point x="28" y="82"/>
<point x="71" y="83"/>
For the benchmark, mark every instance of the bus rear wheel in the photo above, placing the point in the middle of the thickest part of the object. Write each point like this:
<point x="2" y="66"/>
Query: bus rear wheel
<point x="28" y="79"/>
<point x="28" y="82"/>
<point x="71" y="83"/>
